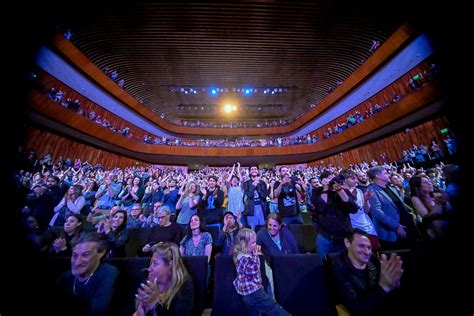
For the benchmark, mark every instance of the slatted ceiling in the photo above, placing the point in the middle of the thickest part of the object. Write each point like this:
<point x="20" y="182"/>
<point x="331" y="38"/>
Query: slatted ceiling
<point x="309" y="45"/>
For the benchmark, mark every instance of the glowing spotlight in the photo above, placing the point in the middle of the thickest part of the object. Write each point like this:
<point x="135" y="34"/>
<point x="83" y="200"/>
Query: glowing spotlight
<point x="234" y="108"/>
<point x="228" y="108"/>
<point x="247" y="91"/>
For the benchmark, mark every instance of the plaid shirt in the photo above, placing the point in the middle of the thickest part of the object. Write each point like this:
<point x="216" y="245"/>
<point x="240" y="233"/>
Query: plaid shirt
<point x="248" y="278"/>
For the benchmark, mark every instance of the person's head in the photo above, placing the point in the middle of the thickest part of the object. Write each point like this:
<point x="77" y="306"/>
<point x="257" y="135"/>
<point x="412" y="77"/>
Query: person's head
<point x="229" y="220"/>
<point x="350" y="178"/>
<point x="136" y="210"/>
<point x="358" y="247"/>
<point x="137" y="181"/>
<point x="87" y="251"/>
<point x="114" y="210"/>
<point x="379" y="176"/>
<point x="314" y="182"/>
<point x="166" y="266"/>
<point x="31" y="223"/>
<point x="212" y="181"/>
<point x="326" y="176"/>
<point x="245" y="243"/>
<point x="73" y="224"/>
<point x="172" y="183"/>
<point x="52" y="182"/>
<point x="362" y="177"/>
<point x="274" y="223"/>
<point x="191" y="187"/>
<point x="234" y="180"/>
<point x="420" y="186"/>
<point x="156" y="206"/>
<point x="75" y="190"/>
<point x="196" y="223"/>
<point x="397" y="180"/>
<point x="253" y="171"/>
<point x="164" y="215"/>
<point x="119" y="220"/>
<point x="284" y="172"/>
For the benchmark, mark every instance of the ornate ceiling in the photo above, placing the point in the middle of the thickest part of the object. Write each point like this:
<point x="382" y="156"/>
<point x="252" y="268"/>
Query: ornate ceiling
<point x="300" y="49"/>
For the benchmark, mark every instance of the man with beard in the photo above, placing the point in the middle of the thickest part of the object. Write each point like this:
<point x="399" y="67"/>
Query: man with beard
<point x="255" y="199"/>
<point x="88" y="288"/>
<point x="286" y="192"/>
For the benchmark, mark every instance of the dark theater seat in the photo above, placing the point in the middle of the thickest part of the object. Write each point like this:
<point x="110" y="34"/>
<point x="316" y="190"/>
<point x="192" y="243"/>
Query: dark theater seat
<point x="300" y="285"/>
<point x="305" y="237"/>
<point x="137" y="237"/>
<point x="226" y="300"/>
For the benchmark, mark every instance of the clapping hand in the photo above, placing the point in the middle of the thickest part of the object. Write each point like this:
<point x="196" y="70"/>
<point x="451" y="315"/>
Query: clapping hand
<point x="257" y="250"/>
<point x="147" y="297"/>
<point x="390" y="272"/>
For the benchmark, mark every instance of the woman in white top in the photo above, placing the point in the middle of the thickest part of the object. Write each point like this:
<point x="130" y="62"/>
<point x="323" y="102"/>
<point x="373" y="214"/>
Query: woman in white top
<point x="72" y="203"/>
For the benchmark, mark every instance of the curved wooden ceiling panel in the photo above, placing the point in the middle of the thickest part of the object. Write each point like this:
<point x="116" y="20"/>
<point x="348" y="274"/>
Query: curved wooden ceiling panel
<point x="307" y="45"/>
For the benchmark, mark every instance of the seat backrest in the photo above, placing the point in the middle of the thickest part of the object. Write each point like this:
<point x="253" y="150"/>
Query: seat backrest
<point x="197" y="268"/>
<point x="306" y="217"/>
<point x="214" y="231"/>
<point x="227" y="302"/>
<point x="305" y="237"/>
<point x="137" y="237"/>
<point x="133" y="271"/>
<point x="300" y="285"/>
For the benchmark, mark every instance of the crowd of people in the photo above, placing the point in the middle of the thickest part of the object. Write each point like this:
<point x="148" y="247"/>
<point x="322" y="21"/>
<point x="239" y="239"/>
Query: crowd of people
<point x="357" y="211"/>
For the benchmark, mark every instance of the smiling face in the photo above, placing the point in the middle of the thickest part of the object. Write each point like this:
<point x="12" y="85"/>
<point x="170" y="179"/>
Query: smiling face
<point x="159" y="269"/>
<point x="426" y="185"/>
<point x="85" y="259"/>
<point x="194" y="223"/>
<point x="359" y="250"/>
<point x="273" y="227"/>
<point x="117" y="220"/>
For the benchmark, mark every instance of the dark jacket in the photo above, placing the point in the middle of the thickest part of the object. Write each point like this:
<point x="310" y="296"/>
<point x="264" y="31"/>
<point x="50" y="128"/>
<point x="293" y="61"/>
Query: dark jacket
<point x="215" y="199"/>
<point x="269" y="248"/>
<point x="94" y="298"/>
<point x="357" y="290"/>
<point x="249" y="201"/>
<point x="332" y="217"/>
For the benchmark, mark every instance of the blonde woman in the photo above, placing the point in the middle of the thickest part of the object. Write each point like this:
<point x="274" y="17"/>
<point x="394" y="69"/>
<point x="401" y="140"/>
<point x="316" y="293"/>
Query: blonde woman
<point x="169" y="288"/>
<point x="188" y="203"/>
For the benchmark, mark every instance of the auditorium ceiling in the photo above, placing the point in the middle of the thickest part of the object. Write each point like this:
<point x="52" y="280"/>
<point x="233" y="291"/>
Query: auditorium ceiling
<point x="272" y="60"/>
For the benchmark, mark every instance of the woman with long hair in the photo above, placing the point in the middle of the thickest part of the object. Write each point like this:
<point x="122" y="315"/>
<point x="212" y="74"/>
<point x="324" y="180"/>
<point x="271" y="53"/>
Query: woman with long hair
<point x="72" y="203"/>
<point x="188" y="202"/>
<point x="424" y="200"/>
<point x="117" y="234"/>
<point x="72" y="230"/>
<point x="197" y="242"/>
<point x="169" y="288"/>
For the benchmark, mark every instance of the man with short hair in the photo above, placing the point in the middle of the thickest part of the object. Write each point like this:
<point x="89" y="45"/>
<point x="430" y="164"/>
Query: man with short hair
<point x="165" y="231"/>
<point x="88" y="288"/>
<point x="255" y="199"/>
<point x="286" y="192"/>
<point x="393" y="221"/>
<point x="359" y="280"/>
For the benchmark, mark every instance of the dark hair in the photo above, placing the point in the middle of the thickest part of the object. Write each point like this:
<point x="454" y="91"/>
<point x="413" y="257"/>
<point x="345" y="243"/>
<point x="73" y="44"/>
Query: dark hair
<point x="374" y="171"/>
<point x="355" y="231"/>
<point x="276" y="217"/>
<point x="95" y="237"/>
<point x="124" y="223"/>
<point x="202" y="226"/>
<point x="325" y="174"/>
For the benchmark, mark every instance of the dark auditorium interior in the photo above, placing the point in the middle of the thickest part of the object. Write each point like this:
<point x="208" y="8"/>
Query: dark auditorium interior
<point x="197" y="94"/>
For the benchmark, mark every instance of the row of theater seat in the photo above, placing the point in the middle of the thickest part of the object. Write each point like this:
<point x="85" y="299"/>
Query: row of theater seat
<point x="305" y="237"/>
<point x="299" y="280"/>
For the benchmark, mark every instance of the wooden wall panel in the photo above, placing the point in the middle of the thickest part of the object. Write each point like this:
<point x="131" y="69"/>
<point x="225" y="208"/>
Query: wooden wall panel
<point x="392" y="146"/>
<point x="44" y="142"/>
